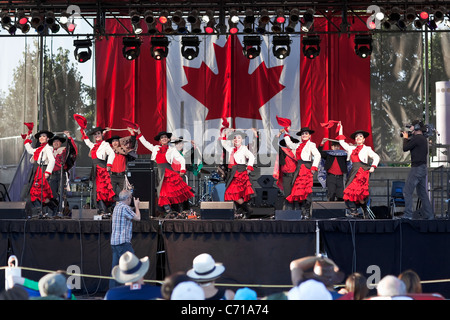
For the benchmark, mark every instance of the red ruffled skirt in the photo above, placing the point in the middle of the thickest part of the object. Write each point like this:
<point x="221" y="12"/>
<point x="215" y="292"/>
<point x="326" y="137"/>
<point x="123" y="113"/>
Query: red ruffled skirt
<point x="303" y="184"/>
<point x="240" y="187"/>
<point x="358" y="189"/>
<point x="105" y="190"/>
<point x="40" y="184"/>
<point x="173" y="189"/>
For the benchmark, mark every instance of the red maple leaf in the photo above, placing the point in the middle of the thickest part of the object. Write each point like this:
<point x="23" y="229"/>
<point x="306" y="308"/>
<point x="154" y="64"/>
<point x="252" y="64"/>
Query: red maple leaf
<point x="233" y="92"/>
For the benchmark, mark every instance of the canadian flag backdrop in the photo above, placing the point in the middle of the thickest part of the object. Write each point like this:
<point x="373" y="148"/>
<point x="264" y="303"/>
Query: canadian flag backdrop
<point x="192" y="98"/>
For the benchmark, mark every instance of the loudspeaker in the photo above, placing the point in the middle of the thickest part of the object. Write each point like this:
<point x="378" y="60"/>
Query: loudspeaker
<point x="210" y="210"/>
<point x="288" y="214"/>
<point x="328" y="210"/>
<point x="144" y="210"/>
<point x="84" y="214"/>
<point x="266" y="197"/>
<point x="266" y="181"/>
<point x="12" y="210"/>
<point x="142" y="176"/>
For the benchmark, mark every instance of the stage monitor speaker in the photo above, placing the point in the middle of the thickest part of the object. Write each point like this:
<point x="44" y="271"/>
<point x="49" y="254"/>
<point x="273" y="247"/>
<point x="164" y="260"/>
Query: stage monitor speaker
<point x="266" y="181"/>
<point x="211" y="210"/>
<point x="13" y="210"/>
<point x="83" y="214"/>
<point x="266" y="197"/>
<point x="328" y="210"/>
<point x="288" y="214"/>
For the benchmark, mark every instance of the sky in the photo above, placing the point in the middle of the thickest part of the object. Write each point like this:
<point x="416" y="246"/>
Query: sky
<point x="13" y="47"/>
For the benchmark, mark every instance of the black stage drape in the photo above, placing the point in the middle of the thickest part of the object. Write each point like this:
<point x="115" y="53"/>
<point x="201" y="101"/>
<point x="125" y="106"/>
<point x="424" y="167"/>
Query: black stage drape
<point x="255" y="252"/>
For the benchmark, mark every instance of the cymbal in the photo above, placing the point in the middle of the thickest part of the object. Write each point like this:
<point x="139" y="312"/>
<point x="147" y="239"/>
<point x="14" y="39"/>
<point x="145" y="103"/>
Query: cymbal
<point x="205" y="171"/>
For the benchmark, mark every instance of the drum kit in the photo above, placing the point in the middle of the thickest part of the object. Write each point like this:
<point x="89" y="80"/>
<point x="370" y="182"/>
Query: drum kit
<point x="212" y="186"/>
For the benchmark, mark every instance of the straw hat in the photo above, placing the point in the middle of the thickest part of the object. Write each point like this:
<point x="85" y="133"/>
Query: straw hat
<point x="130" y="268"/>
<point x="205" y="268"/>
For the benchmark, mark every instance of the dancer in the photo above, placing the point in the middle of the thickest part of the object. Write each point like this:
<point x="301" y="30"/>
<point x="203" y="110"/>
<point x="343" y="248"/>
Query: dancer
<point x="356" y="190"/>
<point x="43" y="164"/>
<point x="102" y="160"/>
<point x="308" y="158"/>
<point x="238" y="187"/>
<point x="171" y="188"/>
<point x="285" y="168"/>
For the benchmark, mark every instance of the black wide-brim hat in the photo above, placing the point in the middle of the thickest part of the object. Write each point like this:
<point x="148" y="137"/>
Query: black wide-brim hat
<point x="364" y="133"/>
<point x="110" y="140"/>
<point x="304" y="129"/>
<point x="91" y="132"/>
<point x="62" y="139"/>
<point x="163" y="133"/>
<point x="179" y="139"/>
<point x="282" y="142"/>
<point x="48" y="133"/>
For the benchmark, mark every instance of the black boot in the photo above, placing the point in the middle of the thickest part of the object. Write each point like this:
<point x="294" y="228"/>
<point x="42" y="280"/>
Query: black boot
<point x="239" y="212"/>
<point x="247" y="210"/>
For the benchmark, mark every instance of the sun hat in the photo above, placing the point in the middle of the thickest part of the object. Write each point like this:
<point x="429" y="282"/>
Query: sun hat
<point x="245" y="294"/>
<point x="130" y="268"/>
<point x="205" y="268"/>
<point x="187" y="290"/>
<point x="310" y="290"/>
<point x="53" y="284"/>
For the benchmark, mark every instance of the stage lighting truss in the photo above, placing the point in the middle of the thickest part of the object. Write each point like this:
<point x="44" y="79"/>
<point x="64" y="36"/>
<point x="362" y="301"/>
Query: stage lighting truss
<point x="363" y="45"/>
<point x="82" y="50"/>
<point x="131" y="47"/>
<point x="190" y="47"/>
<point x="251" y="46"/>
<point x="311" y="46"/>
<point x="159" y="47"/>
<point x="281" y="47"/>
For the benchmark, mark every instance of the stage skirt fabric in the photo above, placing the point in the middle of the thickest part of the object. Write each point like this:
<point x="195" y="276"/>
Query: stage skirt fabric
<point x="303" y="184"/>
<point x="358" y="184"/>
<point x="105" y="190"/>
<point x="173" y="189"/>
<point x="240" y="187"/>
<point x="40" y="187"/>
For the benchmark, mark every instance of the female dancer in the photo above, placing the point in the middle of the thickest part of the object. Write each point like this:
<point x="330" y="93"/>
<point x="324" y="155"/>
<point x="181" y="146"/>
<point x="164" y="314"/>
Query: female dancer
<point x="356" y="189"/>
<point x="238" y="187"/>
<point x="102" y="159"/>
<point x="171" y="189"/>
<point x="308" y="158"/>
<point x="44" y="162"/>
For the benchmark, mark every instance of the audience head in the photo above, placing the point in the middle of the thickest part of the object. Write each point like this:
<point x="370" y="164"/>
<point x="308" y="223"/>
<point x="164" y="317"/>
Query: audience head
<point x="130" y="268"/>
<point x="412" y="281"/>
<point x="171" y="282"/>
<point x="53" y="284"/>
<point x="187" y="290"/>
<point x="391" y="286"/>
<point x="205" y="269"/>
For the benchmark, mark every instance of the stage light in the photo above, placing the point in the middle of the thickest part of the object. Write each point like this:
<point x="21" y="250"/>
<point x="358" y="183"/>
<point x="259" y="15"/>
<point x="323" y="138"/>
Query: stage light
<point x="210" y="21"/>
<point x="249" y="20"/>
<point x="192" y="16"/>
<point x="232" y="26"/>
<point x="264" y="19"/>
<point x="252" y="46"/>
<point x="278" y="21"/>
<point x="234" y="18"/>
<point x="163" y="17"/>
<point x="363" y="45"/>
<point x="159" y="47"/>
<point x="432" y="24"/>
<point x="395" y="14"/>
<point x="131" y="47"/>
<point x="410" y="15"/>
<point x="178" y="19"/>
<point x="424" y="15"/>
<point x="210" y="27"/>
<point x="66" y="23"/>
<point x="190" y="47"/>
<point x="150" y="21"/>
<point x="7" y="23"/>
<point x="308" y="20"/>
<point x="22" y="21"/>
<point x="439" y="14"/>
<point x="135" y="19"/>
<point x="311" y="46"/>
<point x="281" y="46"/>
<point x="83" y="50"/>
<point x="294" y="18"/>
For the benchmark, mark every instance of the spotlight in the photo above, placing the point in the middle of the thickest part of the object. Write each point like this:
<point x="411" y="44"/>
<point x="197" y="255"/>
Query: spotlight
<point x="424" y="15"/>
<point x="308" y="20"/>
<point x="166" y="22"/>
<point x="189" y="48"/>
<point x="196" y="26"/>
<point x="263" y="21"/>
<point x="311" y="48"/>
<point x="163" y="17"/>
<point x="363" y="45"/>
<point x="150" y="21"/>
<point x="252" y="46"/>
<point x="234" y="18"/>
<point x="439" y="14"/>
<point x="293" y="20"/>
<point x="66" y="23"/>
<point x="210" y="21"/>
<point x="395" y="14"/>
<point x="6" y="23"/>
<point x="131" y="47"/>
<point x="278" y="21"/>
<point x="135" y="18"/>
<point x="82" y="51"/>
<point x="159" y="47"/>
<point x="192" y="16"/>
<point x="249" y="20"/>
<point x="232" y="26"/>
<point x="281" y="46"/>
<point x="432" y="24"/>
<point x="178" y="19"/>
<point x="22" y="22"/>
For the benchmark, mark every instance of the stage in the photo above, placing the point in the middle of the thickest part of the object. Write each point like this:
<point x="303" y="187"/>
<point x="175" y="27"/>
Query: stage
<point x="254" y="251"/>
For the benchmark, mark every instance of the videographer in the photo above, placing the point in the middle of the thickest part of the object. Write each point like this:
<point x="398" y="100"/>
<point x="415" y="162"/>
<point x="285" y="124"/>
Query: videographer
<point x="416" y="143"/>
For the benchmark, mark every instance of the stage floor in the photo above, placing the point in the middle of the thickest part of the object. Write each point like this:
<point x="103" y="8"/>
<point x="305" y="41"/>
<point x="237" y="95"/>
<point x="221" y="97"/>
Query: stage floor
<point x="255" y="252"/>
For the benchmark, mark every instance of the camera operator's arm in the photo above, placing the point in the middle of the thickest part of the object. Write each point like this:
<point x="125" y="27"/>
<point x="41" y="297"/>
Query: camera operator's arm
<point x="408" y="143"/>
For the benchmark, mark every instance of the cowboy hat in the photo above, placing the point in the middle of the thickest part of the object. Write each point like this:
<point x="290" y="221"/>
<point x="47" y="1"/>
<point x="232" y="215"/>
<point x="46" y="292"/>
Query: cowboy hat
<point x="325" y="272"/>
<point x="48" y="133"/>
<point x="304" y="129"/>
<point x="110" y="140"/>
<point x="62" y="139"/>
<point x="130" y="268"/>
<point x="237" y="133"/>
<point x="163" y="133"/>
<point x="179" y="139"/>
<point x="205" y="269"/>
<point x="364" y="133"/>
<point x="91" y="132"/>
<point x="282" y="142"/>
